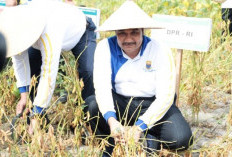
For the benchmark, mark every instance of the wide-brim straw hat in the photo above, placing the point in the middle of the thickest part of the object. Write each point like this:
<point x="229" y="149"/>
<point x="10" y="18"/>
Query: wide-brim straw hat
<point x="21" y="26"/>
<point x="128" y="16"/>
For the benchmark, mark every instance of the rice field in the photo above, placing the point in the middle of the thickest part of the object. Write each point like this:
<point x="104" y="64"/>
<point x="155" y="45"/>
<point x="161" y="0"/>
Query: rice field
<point x="205" y="95"/>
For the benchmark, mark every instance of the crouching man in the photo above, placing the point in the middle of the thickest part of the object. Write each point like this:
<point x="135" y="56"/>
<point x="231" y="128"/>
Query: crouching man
<point x="134" y="80"/>
<point x="37" y="33"/>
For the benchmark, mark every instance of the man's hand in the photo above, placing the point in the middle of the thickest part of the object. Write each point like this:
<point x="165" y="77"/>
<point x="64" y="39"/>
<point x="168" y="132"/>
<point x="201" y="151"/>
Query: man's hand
<point x="33" y="125"/>
<point x="22" y="103"/>
<point x="135" y="133"/>
<point x="116" y="129"/>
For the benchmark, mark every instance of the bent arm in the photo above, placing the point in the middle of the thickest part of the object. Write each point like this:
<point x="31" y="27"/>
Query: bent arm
<point x="50" y="50"/>
<point x="165" y="91"/>
<point x="102" y="80"/>
<point x="22" y="71"/>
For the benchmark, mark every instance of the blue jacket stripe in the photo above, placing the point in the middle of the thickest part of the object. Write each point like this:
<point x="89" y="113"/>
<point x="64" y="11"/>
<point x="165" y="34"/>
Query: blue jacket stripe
<point x="117" y="59"/>
<point x="146" y="40"/>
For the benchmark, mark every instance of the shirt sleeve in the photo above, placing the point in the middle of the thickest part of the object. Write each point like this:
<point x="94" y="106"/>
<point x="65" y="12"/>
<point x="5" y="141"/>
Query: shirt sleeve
<point x="50" y="47"/>
<point x="22" y="69"/>
<point x="102" y="79"/>
<point x="165" y="89"/>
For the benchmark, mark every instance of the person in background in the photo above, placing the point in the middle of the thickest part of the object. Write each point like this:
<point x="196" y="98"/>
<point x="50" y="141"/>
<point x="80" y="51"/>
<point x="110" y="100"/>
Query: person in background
<point x="62" y="27"/>
<point x="227" y="15"/>
<point x="2" y="51"/>
<point x="34" y="53"/>
<point x="2" y="47"/>
<point x="134" y="80"/>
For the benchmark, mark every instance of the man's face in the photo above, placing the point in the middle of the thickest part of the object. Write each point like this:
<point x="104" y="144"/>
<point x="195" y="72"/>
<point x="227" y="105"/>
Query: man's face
<point x="130" y="40"/>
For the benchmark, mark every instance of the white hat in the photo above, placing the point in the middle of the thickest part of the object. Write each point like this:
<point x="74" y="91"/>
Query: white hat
<point x="128" y="16"/>
<point x="21" y="26"/>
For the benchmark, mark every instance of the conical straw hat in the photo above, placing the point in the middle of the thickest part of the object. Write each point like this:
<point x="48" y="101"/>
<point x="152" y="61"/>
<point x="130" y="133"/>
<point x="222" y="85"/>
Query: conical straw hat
<point x="21" y="26"/>
<point x="128" y="16"/>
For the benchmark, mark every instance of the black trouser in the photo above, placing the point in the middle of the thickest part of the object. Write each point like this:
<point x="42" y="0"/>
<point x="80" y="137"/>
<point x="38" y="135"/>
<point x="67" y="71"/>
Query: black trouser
<point x="85" y="48"/>
<point x="176" y="130"/>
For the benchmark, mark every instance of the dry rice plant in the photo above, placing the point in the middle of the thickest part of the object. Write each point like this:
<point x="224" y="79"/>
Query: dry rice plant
<point x="212" y="70"/>
<point x="196" y="84"/>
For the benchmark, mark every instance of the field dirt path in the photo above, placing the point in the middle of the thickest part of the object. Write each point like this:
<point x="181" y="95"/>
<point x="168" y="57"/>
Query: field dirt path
<point x="212" y="124"/>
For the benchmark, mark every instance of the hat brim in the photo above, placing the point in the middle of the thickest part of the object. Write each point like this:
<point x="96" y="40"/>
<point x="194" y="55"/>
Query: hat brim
<point x="22" y="27"/>
<point x="129" y="16"/>
<point x="107" y="29"/>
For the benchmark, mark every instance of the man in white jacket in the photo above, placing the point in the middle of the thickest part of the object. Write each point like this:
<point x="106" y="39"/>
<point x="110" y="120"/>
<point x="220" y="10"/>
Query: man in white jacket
<point x="227" y="15"/>
<point x="134" y="80"/>
<point x="50" y="27"/>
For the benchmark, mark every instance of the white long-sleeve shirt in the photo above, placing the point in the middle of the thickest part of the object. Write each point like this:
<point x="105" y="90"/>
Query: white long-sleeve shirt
<point x="65" y="25"/>
<point x="151" y="73"/>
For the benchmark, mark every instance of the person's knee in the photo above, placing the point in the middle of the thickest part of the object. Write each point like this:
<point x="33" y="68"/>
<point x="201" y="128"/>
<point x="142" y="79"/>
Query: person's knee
<point x="184" y="141"/>
<point x="179" y="140"/>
